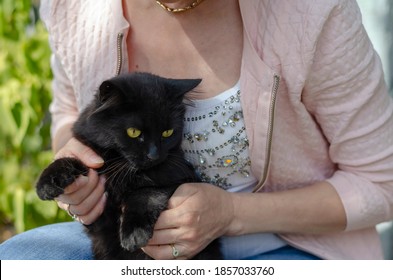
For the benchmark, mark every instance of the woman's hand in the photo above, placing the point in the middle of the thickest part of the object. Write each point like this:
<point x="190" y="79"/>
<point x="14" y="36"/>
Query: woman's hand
<point x="197" y="214"/>
<point x="85" y="198"/>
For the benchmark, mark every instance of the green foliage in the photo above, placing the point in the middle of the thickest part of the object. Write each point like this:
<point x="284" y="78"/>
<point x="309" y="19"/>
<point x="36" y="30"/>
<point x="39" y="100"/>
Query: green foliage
<point x="25" y="78"/>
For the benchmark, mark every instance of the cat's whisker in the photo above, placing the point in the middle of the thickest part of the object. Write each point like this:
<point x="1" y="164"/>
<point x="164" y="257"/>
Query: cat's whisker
<point x="129" y="172"/>
<point x="115" y="169"/>
<point x="122" y="168"/>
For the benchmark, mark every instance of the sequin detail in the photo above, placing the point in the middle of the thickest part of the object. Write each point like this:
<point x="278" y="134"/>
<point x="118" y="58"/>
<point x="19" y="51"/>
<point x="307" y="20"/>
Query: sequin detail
<point x="218" y="151"/>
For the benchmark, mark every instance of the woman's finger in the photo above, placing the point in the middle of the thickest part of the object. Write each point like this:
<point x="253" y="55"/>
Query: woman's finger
<point x="93" y="215"/>
<point x="74" y="148"/>
<point x="165" y="252"/>
<point x="80" y="189"/>
<point x="85" y="206"/>
<point x="181" y="195"/>
<point x="164" y="236"/>
<point x="62" y="205"/>
<point x="77" y="185"/>
<point x="167" y="219"/>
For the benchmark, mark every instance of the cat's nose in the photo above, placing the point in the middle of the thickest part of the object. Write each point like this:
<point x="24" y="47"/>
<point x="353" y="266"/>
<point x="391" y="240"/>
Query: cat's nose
<point x="152" y="154"/>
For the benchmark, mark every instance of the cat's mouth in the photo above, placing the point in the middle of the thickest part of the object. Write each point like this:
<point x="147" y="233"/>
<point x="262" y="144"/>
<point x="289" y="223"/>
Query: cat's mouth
<point x="146" y="163"/>
<point x="149" y="163"/>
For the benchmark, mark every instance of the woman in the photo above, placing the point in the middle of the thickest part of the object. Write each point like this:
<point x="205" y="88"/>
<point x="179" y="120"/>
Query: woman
<point x="316" y="124"/>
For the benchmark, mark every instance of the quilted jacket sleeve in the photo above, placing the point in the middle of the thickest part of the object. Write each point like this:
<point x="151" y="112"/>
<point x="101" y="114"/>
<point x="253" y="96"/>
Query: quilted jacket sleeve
<point x="346" y="93"/>
<point x="63" y="107"/>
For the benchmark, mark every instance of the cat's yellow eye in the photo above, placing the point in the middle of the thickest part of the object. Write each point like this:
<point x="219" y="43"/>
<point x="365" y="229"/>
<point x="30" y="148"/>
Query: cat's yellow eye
<point x="133" y="132"/>
<point x="167" y="133"/>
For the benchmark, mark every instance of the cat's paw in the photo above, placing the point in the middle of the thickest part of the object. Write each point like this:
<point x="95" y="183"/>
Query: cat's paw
<point x="135" y="239"/>
<point x="57" y="176"/>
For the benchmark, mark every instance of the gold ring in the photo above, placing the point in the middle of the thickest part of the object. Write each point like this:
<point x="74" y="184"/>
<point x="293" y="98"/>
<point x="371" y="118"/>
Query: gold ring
<point x="175" y="252"/>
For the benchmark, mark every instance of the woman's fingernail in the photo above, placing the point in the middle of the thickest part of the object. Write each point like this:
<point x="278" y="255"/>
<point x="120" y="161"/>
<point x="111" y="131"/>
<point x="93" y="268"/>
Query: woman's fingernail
<point x="96" y="159"/>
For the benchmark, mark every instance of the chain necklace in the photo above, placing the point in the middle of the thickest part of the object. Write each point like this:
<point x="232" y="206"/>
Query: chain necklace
<point x="179" y="10"/>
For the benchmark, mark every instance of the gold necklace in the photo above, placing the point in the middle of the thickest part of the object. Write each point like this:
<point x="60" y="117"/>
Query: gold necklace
<point x="179" y="10"/>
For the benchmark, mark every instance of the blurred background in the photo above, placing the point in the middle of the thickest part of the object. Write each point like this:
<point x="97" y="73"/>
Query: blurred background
<point x="25" y="77"/>
<point x="25" y="82"/>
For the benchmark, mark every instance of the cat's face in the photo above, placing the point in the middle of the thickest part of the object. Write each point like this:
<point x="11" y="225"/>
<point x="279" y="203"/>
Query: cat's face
<point x="147" y="133"/>
<point x="140" y="116"/>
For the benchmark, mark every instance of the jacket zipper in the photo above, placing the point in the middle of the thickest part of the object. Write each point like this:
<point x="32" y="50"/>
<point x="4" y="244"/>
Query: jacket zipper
<point x="119" y="53"/>
<point x="261" y="183"/>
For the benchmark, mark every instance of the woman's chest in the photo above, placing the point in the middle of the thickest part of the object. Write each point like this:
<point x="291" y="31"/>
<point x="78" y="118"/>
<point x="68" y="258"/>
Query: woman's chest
<point x="210" y="50"/>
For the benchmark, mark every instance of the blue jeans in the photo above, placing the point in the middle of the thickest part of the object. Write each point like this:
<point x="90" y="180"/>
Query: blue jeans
<point x="63" y="241"/>
<point x="284" y="253"/>
<point x="67" y="241"/>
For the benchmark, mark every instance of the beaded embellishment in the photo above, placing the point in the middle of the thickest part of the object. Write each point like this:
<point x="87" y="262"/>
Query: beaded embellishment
<point x="215" y="142"/>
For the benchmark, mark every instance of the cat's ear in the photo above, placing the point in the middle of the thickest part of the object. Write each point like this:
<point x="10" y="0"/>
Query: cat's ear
<point x="177" y="88"/>
<point x="107" y="91"/>
<point x="107" y="95"/>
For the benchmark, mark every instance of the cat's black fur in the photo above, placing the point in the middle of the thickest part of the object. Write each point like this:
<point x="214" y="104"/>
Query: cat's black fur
<point x="141" y="173"/>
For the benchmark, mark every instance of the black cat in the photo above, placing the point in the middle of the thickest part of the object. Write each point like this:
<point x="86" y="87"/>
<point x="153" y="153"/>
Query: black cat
<point x="135" y="124"/>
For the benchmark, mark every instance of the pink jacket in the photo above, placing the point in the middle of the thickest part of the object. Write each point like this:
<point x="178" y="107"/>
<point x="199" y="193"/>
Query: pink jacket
<point x="315" y="103"/>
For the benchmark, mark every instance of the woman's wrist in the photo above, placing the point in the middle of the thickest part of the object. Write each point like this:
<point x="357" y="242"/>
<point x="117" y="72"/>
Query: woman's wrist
<point x="248" y="214"/>
<point x="236" y="226"/>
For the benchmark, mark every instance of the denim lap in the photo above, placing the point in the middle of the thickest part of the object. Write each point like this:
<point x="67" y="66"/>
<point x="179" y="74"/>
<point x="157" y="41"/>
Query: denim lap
<point x="68" y="241"/>
<point x="63" y="241"/>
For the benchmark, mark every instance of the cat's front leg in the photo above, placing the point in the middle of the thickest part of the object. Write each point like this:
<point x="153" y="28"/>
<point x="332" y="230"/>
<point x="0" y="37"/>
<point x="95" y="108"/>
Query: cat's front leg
<point x="140" y="213"/>
<point x="57" y="176"/>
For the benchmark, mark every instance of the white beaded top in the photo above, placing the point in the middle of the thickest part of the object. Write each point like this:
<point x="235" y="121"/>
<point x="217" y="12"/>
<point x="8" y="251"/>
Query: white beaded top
<point x="215" y="141"/>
